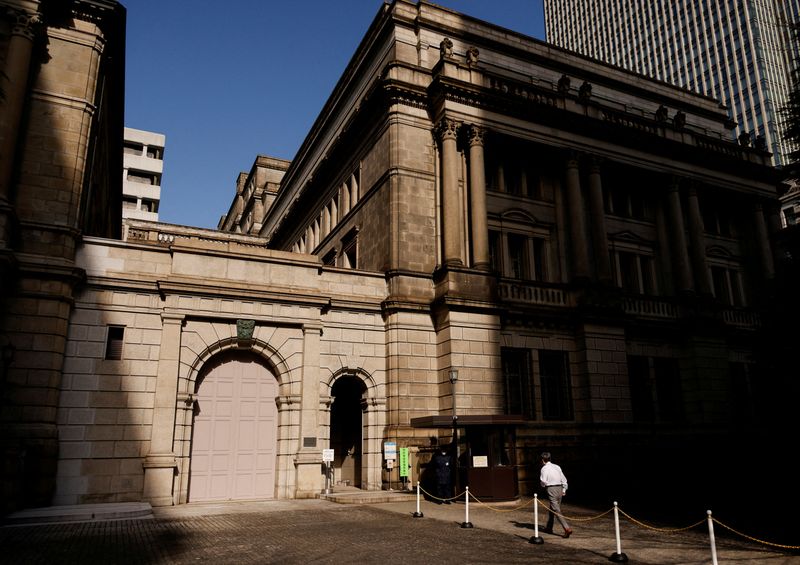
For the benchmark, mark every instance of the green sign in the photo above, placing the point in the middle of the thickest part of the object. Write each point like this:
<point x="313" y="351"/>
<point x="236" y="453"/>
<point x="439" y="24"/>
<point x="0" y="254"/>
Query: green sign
<point x="403" y="462"/>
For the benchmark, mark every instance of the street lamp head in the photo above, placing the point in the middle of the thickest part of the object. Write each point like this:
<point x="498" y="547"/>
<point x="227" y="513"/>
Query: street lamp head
<point x="453" y="375"/>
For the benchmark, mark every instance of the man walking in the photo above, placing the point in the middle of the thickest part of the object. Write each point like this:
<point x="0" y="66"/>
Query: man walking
<point x="554" y="482"/>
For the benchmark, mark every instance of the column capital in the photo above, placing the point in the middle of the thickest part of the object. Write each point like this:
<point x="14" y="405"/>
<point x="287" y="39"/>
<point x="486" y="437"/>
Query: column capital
<point x="24" y="24"/>
<point x="447" y="129"/>
<point x="475" y="134"/>
<point x="312" y="328"/>
<point x="595" y="164"/>
<point x="572" y="158"/>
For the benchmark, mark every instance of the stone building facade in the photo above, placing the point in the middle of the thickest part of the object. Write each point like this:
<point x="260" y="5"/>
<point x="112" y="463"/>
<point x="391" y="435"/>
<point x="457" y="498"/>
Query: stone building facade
<point x="481" y="236"/>
<point x="61" y="115"/>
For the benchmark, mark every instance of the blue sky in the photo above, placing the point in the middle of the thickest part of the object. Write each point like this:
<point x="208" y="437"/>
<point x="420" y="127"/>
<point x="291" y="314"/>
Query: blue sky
<point x="225" y="81"/>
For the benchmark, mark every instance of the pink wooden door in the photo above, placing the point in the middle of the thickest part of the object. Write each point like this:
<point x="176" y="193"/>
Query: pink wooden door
<point x="234" y="440"/>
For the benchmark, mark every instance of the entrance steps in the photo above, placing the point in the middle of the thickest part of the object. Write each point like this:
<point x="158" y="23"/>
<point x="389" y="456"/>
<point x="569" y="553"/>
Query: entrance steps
<point x="353" y="495"/>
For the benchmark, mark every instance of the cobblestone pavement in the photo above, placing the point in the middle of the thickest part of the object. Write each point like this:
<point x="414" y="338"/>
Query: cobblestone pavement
<point x="314" y="531"/>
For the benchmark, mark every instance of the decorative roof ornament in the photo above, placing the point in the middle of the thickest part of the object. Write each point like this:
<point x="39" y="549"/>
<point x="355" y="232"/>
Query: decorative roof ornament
<point x="446" y="48"/>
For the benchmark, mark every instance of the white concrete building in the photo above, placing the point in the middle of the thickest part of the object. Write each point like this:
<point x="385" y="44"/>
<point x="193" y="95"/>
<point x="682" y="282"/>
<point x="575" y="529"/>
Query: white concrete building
<point x="143" y="165"/>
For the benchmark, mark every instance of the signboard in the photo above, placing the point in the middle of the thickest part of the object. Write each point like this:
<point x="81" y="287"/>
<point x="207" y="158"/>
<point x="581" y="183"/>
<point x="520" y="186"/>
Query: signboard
<point x="480" y="461"/>
<point x="327" y="455"/>
<point x="403" y="465"/>
<point x="389" y="450"/>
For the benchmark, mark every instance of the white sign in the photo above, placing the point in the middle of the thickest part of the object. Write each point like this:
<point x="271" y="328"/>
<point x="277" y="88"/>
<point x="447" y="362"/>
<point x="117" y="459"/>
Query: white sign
<point x="480" y="461"/>
<point x="327" y="455"/>
<point x="389" y="450"/>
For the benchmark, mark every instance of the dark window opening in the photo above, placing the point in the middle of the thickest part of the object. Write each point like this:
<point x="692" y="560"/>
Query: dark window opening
<point x="555" y="384"/>
<point x="114" y="341"/>
<point x="519" y="394"/>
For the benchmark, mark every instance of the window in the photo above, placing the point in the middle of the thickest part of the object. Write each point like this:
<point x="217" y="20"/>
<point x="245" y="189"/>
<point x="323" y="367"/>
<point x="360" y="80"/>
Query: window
<point x="628" y="204"/>
<point x="523" y="258"/>
<point x="634" y="272"/>
<point x="518" y="256"/>
<point x="329" y="258"/>
<point x="114" y="340"/>
<point x="349" y="255"/>
<point x="727" y="285"/>
<point x="132" y="148"/>
<point x="154" y="152"/>
<point x="516" y="367"/>
<point x="554" y="380"/>
<point x="143" y="178"/>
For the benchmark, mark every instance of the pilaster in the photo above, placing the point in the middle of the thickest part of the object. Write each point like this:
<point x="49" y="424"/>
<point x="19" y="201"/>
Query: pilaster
<point x="160" y="464"/>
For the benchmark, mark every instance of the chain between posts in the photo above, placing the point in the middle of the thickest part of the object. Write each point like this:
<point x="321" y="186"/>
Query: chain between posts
<point x="598" y="516"/>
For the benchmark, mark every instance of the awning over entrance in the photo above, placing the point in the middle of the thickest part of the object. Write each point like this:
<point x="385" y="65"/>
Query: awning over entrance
<point x="467" y="420"/>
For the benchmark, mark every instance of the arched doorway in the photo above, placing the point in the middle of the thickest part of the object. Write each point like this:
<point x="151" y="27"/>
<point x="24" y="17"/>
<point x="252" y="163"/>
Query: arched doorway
<point x="234" y="432"/>
<point x="346" y="429"/>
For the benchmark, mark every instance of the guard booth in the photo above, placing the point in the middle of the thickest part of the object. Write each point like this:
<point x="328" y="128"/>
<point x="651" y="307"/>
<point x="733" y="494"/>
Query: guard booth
<point x="485" y="452"/>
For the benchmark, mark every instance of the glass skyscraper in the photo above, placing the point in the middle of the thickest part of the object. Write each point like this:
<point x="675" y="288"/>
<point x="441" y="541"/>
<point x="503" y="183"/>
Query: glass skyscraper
<point x="737" y="51"/>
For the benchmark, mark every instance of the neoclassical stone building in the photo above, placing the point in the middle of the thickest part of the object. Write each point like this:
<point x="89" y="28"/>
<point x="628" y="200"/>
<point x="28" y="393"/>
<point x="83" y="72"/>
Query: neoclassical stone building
<point x="482" y="236"/>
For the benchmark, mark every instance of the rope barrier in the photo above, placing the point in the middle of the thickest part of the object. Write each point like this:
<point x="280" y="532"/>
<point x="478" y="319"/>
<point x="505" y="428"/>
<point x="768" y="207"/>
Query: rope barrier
<point x="576" y="518"/>
<point x="466" y="494"/>
<point x="781" y="546"/>
<point x="433" y="496"/>
<point x="662" y="530"/>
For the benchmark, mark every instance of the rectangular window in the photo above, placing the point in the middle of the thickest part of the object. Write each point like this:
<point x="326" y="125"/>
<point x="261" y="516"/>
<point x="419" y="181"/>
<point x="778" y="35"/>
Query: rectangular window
<point x="329" y="258"/>
<point x="495" y="251"/>
<point x="349" y="255"/>
<point x="555" y="385"/>
<point x="518" y="256"/>
<point x="516" y="367"/>
<point x="114" y="339"/>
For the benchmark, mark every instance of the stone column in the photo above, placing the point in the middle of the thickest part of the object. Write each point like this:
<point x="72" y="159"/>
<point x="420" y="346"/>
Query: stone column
<point x="577" y="221"/>
<point x="477" y="193"/>
<point x="308" y="460"/>
<point x="599" y="230"/>
<point x="451" y="204"/>
<point x="678" y="241"/>
<point x="698" y="244"/>
<point x="764" y="248"/>
<point x="160" y="463"/>
<point x="14" y="85"/>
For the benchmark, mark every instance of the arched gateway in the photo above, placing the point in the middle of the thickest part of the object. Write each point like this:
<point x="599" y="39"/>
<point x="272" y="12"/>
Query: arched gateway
<point x="234" y="437"/>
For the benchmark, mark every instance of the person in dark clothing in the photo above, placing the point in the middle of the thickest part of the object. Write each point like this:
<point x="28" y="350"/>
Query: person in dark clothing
<point x="444" y="476"/>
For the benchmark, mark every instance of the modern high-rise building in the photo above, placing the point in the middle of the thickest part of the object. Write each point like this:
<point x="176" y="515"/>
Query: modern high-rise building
<point x="143" y="166"/>
<point x="737" y="51"/>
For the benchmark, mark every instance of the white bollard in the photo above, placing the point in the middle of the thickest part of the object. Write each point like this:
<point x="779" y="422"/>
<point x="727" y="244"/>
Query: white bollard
<point x="417" y="514"/>
<point x="536" y="539"/>
<point x="617" y="557"/>
<point x="466" y="523"/>
<point x="711" y="538"/>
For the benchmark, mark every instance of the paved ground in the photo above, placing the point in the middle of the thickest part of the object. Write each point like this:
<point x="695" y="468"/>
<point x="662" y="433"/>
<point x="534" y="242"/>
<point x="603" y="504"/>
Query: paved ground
<point x="317" y="531"/>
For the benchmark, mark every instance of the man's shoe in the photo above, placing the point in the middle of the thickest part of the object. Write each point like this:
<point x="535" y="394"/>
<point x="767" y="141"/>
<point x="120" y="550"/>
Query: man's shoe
<point x="567" y="533"/>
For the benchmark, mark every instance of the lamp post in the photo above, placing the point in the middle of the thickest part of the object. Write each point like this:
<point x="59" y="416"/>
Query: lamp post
<point x="453" y="378"/>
